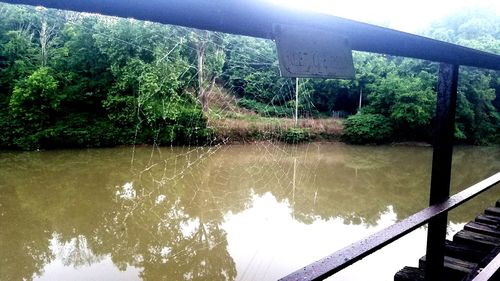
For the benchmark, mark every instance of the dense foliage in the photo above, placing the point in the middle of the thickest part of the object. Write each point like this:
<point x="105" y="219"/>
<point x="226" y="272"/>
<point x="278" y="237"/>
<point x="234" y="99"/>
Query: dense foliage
<point x="78" y="80"/>
<point x="69" y="79"/>
<point x="367" y="128"/>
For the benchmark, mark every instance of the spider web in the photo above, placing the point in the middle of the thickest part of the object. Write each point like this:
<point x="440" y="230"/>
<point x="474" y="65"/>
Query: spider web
<point x="160" y="173"/>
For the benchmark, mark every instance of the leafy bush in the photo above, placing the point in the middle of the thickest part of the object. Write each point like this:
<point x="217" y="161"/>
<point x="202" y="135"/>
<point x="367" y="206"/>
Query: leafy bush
<point x="365" y="128"/>
<point x="33" y="106"/>
<point x="295" y="135"/>
<point x="191" y="126"/>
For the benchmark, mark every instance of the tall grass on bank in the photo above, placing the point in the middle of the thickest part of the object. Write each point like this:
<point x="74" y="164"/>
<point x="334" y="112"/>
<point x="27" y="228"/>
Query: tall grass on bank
<point x="250" y="128"/>
<point x="232" y="123"/>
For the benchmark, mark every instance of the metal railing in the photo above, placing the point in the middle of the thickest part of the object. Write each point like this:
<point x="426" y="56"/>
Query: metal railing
<point x="256" y="18"/>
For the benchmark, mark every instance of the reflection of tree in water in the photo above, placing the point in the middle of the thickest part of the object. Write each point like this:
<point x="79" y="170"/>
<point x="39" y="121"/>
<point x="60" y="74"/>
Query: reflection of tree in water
<point x="367" y="157"/>
<point x="153" y="230"/>
<point x="165" y="237"/>
<point x="76" y="252"/>
<point x="50" y="195"/>
<point x="471" y="165"/>
<point x="356" y="184"/>
<point x="24" y="246"/>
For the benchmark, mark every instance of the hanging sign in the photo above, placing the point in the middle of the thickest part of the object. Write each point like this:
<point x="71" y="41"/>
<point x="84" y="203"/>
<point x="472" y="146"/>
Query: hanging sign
<point x="305" y="52"/>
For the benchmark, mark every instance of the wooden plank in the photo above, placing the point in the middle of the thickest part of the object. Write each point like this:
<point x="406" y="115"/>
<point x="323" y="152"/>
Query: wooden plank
<point x="454" y="269"/>
<point x="409" y="274"/>
<point x="493" y="211"/>
<point x="464" y="252"/>
<point x="492" y="220"/>
<point x="478" y="240"/>
<point x="482" y="228"/>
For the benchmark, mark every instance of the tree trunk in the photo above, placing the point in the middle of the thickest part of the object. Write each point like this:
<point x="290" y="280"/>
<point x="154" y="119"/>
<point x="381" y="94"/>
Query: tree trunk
<point x="360" y="98"/>
<point x="200" y="53"/>
<point x="46" y="35"/>
<point x="207" y="93"/>
<point x="43" y="43"/>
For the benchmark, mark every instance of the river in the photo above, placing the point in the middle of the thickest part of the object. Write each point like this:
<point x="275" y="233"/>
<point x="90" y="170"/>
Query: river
<point x="239" y="212"/>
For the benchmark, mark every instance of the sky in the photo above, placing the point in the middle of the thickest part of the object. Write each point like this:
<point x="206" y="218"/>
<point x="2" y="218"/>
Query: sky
<point x="410" y="16"/>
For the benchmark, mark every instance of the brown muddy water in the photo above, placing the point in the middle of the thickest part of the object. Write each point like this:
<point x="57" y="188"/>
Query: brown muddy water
<point x="241" y="212"/>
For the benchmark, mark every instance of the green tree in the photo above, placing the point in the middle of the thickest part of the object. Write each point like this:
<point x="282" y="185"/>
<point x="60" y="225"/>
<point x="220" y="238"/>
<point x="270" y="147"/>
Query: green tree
<point x="209" y="62"/>
<point x="477" y="115"/>
<point x="148" y="98"/>
<point x="407" y="101"/>
<point x="251" y="71"/>
<point x="33" y="105"/>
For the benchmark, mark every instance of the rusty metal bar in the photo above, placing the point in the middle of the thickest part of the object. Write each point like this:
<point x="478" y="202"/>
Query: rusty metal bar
<point x="490" y="272"/>
<point x="256" y="18"/>
<point x="341" y="259"/>
<point x="441" y="167"/>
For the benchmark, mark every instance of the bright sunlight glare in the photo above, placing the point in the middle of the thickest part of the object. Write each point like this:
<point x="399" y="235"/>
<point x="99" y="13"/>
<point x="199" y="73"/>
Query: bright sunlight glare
<point x="409" y="16"/>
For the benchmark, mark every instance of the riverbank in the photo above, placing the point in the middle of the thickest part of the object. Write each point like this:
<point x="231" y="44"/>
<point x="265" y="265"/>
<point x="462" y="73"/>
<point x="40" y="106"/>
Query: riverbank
<point x="251" y="128"/>
<point x="231" y="123"/>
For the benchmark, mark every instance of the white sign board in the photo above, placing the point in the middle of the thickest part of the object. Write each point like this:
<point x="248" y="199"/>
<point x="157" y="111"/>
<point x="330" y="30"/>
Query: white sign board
<point x="304" y="52"/>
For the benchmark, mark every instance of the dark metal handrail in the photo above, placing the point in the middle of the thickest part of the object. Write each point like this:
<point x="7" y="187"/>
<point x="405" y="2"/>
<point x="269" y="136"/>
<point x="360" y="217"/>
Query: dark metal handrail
<point x="256" y="18"/>
<point x="341" y="259"/>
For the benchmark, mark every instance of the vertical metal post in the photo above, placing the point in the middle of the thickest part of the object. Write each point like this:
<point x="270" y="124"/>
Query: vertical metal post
<point x="296" y="101"/>
<point x="441" y="167"/>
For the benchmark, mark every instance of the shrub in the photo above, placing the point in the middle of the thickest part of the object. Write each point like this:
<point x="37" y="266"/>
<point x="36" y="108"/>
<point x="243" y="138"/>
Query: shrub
<point x="295" y="135"/>
<point x="365" y="128"/>
<point x="191" y="126"/>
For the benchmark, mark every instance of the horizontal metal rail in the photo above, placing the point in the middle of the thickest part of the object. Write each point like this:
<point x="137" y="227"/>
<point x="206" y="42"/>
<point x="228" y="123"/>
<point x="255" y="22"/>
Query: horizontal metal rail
<point x="341" y="259"/>
<point x="256" y="18"/>
<point x="489" y="271"/>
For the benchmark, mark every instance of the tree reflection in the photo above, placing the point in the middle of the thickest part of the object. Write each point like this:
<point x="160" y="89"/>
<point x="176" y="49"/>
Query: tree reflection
<point x="357" y="184"/>
<point x="23" y="242"/>
<point x="76" y="252"/>
<point x="165" y="238"/>
<point x="168" y="238"/>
